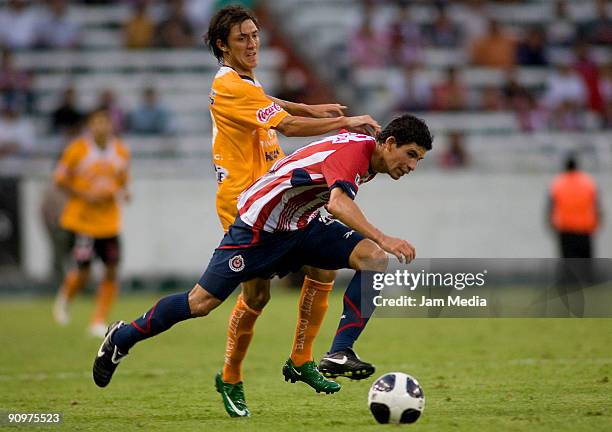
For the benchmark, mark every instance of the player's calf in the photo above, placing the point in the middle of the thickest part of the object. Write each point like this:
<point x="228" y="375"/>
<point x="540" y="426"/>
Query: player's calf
<point x="201" y="302"/>
<point x="256" y="293"/>
<point x="121" y="337"/>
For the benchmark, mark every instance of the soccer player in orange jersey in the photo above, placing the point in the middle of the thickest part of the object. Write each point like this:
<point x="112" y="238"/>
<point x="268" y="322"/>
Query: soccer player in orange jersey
<point x="93" y="171"/>
<point x="245" y="146"/>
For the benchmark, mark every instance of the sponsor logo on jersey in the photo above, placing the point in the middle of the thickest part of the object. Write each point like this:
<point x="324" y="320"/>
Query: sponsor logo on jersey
<point x="265" y="114"/>
<point x="236" y="263"/>
<point x="272" y="156"/>
<point x="220" y="173"/>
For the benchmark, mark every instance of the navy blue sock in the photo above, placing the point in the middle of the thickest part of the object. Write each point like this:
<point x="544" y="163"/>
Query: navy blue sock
<point x="163" y="315"/>
<point x="353" y="319"/>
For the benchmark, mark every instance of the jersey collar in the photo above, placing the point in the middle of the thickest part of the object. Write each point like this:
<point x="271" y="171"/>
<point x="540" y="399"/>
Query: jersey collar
<point x="245" y="77"/>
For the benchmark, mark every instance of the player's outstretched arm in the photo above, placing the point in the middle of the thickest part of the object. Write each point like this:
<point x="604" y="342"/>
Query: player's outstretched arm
<point x="296" y="126"/>
<point x="314" y="111"/>
<point x="346" y="211"/>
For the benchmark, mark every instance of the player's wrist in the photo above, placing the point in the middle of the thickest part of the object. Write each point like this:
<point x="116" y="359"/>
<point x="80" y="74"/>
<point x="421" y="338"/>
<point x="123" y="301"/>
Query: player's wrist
<point x="378" y="237"/>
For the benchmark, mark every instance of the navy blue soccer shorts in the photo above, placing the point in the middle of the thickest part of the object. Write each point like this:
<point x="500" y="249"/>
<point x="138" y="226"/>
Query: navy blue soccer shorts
<point x="86" y="248"/>
<point x="245" y="254"/>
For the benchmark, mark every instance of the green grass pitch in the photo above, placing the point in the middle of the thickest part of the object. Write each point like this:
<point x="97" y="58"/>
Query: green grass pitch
<point x="477" y="374"/>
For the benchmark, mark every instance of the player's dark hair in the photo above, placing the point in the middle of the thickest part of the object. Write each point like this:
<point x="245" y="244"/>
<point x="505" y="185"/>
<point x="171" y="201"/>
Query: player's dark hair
<point x="571" y="164"/>
<point x="221" y="24"/>
<point x="407" y="129"/>
<point x="98" y="110"/>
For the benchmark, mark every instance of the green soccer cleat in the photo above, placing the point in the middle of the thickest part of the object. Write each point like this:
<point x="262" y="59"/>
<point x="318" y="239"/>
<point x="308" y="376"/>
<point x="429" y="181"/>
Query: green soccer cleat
<point x="309" y="374"/>
<point x="233" y="397"/>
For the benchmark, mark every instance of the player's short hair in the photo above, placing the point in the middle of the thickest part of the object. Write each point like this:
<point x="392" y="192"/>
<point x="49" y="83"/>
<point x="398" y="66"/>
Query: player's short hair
<point x="97" y="111"/>
<point x="221" y="24"/>
<point x="407" y="129"/>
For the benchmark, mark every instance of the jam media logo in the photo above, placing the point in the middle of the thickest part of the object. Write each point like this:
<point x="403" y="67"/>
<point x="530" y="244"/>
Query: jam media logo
<point x="265" y="114"/>
<point x="236" y="263"/>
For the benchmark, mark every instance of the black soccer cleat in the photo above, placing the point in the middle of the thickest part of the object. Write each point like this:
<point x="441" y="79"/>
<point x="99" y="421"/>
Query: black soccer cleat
<point x="347" y="364"/>
<point x="107" y="358"/>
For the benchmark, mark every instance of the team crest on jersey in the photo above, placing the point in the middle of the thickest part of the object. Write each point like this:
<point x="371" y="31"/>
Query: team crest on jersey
<point x="236" y="263"/>
<point x="265" y="114"/>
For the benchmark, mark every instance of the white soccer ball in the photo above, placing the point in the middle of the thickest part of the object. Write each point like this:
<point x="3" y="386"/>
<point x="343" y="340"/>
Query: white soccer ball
<point x="396" y="398"/>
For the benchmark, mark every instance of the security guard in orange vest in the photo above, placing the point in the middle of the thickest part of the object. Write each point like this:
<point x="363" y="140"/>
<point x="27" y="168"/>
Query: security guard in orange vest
<point x="574" y="211"/>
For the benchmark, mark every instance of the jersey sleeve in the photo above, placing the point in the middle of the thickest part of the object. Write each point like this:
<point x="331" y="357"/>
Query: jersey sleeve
<point x="67" y="163"/>
<point x="124" y="173"/>
<point x="345" y="167"/>
<point x="249" y="106"/>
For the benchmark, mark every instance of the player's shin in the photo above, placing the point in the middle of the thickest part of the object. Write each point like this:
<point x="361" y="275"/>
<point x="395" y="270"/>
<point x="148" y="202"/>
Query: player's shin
<point x="312" y="307"/>
<point x="355" y="313"/>
<point x="74" y="282"/>
<point x="239" y="334"/>
<point x="105" y="297"/>
<point x="163" y="315"/>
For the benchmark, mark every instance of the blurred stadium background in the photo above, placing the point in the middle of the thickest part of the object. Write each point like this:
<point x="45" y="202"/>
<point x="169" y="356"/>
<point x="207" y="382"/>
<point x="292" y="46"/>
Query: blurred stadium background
<point x="509" y="88"/>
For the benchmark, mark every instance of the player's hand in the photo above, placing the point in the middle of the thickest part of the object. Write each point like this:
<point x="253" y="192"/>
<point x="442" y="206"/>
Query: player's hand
<point x="326" y="110"/>
<point x="100" y="194"/>
<point x="363" y="124"/>
<point x="403" y="250"/>
<point x="125" y="195"/>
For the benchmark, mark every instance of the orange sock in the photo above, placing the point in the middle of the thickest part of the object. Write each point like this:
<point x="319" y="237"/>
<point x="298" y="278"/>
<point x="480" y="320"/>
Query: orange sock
<point x="107" y="292"/>
<point x="312" y="307"/>
<point x="239" y="335"/>
<point x="72" y="284"/>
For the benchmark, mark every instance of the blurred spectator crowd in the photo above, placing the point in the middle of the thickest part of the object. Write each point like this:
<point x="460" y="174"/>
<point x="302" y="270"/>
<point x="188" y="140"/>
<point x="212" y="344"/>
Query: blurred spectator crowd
<point x="28" y="26"/>
<point x="577" y="90"/>
<point x="48" y="24"/>
<point x="573" y="93"/>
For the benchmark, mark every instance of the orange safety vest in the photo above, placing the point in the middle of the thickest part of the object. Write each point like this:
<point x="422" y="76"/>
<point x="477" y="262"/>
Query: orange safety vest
<point x="574" y="203"/>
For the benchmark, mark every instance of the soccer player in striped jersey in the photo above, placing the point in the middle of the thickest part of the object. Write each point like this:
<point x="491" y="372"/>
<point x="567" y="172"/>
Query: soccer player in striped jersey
<point x="245" y="145"/>
<point x="279" y="229"/>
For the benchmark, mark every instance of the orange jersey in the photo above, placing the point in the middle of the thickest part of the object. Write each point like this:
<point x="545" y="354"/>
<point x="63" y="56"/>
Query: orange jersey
<point x="86" y="168"/>
<point x="574" y="196"/>
<point x="244" y="142"/>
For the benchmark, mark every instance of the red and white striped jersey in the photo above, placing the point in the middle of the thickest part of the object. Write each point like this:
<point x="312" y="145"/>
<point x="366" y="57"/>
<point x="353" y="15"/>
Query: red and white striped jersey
<point x="290" y="195"/>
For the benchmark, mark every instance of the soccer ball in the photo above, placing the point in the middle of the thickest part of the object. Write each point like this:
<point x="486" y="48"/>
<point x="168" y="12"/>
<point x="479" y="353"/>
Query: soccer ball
<point x="396" y="398"/>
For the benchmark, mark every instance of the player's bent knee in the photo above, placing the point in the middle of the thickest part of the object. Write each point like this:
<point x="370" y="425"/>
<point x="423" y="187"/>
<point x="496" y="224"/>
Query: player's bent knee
<point x="110" y="272"/>
<point x="256" y="293"/>
<point x="320" y="275"/>
<point x="367" y="255"/>
<point x="201" y="302"/>
<point x="83" y="274"/>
